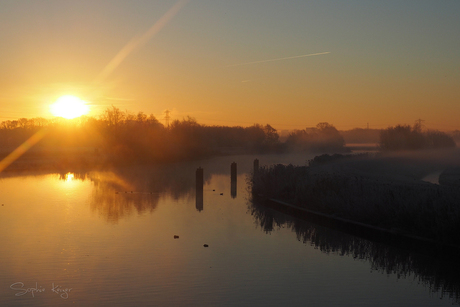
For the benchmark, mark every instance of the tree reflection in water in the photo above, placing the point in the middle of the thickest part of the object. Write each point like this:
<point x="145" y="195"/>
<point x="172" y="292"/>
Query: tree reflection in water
<point x="438" y="272"/>
<point x="120" y="193"/>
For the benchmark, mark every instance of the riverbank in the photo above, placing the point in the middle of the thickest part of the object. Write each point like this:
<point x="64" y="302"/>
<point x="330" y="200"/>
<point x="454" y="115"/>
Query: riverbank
<point x="383" y="191"/>
<point x="390" y="237"/>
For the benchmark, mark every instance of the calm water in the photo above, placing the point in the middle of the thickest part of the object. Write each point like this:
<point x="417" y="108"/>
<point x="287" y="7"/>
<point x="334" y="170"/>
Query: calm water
<point x="107" y="239"/>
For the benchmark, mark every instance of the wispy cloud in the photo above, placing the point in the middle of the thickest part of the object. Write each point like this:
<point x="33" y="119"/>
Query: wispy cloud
<point x="279" y="59"/>
<point x="138" y="42"/>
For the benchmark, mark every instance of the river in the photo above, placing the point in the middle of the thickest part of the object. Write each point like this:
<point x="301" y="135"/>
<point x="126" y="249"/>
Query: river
<point x="137" y="236"/>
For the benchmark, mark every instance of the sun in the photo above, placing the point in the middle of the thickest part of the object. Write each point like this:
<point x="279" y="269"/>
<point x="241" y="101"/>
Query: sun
<point x="69" y="107"/>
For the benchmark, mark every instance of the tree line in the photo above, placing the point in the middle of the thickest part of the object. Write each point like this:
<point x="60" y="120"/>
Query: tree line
<point x="405" y="137"/>
<point x="122" y="137"/>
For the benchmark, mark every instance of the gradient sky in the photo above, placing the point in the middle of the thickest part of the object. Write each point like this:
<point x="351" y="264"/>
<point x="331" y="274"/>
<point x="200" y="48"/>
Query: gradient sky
<point x="389" y="62"/>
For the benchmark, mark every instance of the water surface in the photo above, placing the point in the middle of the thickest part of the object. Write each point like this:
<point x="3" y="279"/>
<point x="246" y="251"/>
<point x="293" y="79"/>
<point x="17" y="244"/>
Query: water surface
<point x="109" y="238"/>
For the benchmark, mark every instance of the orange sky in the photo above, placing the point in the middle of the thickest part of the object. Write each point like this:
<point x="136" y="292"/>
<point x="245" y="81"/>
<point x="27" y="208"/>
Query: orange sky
<point x="237" y="62"/>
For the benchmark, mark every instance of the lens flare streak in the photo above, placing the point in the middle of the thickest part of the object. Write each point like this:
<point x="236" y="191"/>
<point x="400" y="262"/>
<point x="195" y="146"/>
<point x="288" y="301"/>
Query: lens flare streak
<point x="13" y="156"/>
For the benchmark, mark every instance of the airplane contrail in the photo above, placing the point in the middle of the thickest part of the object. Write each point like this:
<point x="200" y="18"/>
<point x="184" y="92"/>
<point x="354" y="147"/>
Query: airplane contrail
<point x="278" y="59"/>
<point x="138" y="42"/>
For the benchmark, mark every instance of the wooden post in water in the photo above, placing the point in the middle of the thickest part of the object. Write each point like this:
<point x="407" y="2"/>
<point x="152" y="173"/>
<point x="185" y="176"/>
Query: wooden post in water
<point x="233" y="180"/>
<point x="256" y="166"/>
<point x="199" y="189"/>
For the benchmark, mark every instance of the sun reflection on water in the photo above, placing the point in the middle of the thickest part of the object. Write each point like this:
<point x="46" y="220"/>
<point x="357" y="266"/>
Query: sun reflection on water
<point x="69" y="177"/>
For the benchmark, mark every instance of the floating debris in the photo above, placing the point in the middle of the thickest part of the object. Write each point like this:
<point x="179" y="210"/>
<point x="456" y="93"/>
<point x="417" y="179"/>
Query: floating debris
<point x="205" y="245"/>
<point x="221" y="193"/>
<point x="176" y="237"/>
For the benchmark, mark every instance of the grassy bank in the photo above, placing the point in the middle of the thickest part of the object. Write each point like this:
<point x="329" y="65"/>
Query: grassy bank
<point x="359" y="189"/>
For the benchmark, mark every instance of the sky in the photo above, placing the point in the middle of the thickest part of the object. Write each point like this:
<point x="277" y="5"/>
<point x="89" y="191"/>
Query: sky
<point x="237" y="62"/>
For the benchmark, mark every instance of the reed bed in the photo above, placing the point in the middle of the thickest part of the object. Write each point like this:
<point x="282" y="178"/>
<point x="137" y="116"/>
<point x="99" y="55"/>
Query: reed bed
<point x="405" y="206"/>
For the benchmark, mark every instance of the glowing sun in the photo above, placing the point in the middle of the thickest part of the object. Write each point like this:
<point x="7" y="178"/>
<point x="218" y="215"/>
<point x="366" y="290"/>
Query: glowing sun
<point x="69" y="107"/>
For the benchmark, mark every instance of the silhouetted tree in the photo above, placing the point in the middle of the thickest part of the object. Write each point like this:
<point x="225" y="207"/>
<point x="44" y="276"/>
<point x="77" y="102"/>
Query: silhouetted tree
<point x="271" y="136"/>
<point x="113" y="116"/>
<point x="324" y="137"/>
<point x="403" y="137"/>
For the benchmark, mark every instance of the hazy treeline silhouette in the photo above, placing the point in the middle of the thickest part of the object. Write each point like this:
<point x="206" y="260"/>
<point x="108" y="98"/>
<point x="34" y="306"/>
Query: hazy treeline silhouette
<point x="323" y="138"/>
<point x="119" y="137"/>
<point x="405" y="137"/>
<point x="401" y="137"/>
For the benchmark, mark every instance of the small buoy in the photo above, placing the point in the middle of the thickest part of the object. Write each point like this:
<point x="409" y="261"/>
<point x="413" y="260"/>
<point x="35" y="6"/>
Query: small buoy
<point x="205" y="245"/>
<point x="176" y="237"/>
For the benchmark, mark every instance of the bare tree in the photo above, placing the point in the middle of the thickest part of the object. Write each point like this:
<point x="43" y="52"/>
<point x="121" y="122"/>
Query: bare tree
<point x="113" y="116"/>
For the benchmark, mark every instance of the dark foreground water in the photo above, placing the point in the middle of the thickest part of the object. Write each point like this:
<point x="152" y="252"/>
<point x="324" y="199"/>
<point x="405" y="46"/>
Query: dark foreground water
<point x="107" y="239"/>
